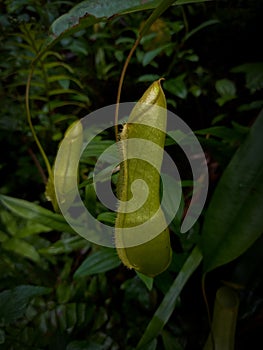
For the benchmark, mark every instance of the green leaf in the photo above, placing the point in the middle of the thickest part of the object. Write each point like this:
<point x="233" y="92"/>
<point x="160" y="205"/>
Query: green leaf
<point x="89" y="12"/>
<point x="65" y="91"/>
<point x="203" y="25"/>
<point x="177" y="86"/>
<point x="148" y="77"/>
<point x="13" y="302"/>
<point x="65" y="246"/>
<point x="71" y="315"/>
<point x="19" y="227"/>
<point x="160" y="8"/>
<point x="36" y="213"/>
<point x="3" y="237"/>
<point x="96" y="147"/>
<point x="148" y="281"/>
<point x="150" y="55"/>
<point x="107" y="217"/>
<point x="167" y="306"/>
<point x="254" y="75"/>
<point x="225" y="87"/>
<point x="21" y="247"/>
<point x="258" y="104"/>
<point x="58" y="103"/>
<point x="195" y="90"/>
<point x="98" y="262"/>
<point x="224" y="133"/>
<point x="49" y="65"/>
<point x="59" y="77"/>
<point x="152" y="345"/>
<point x="233" y="220"/>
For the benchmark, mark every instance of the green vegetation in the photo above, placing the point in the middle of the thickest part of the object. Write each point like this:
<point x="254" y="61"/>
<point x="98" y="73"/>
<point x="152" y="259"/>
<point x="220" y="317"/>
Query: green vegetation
<point x="59" y="291"/>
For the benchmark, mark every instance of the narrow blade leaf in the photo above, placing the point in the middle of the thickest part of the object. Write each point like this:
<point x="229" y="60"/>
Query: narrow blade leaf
<point x="36" y="213"/>
<point x="167" y="306"/>
<point x="101" y="261"/>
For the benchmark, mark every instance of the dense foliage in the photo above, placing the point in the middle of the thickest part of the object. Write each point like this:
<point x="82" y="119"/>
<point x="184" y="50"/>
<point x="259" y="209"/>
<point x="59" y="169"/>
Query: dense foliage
<point x="59" y="291"/>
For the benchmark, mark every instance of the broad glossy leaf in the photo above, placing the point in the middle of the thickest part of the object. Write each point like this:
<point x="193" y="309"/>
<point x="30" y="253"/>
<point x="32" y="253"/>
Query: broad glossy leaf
<point x="89" y="12"/>
<point x="234" y="219"/>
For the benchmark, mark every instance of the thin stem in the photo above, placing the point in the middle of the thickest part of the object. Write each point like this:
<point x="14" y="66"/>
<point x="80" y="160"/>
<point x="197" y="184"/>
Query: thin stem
<point x="124" y="69"/>
<point x="28" y="113"/>
<point x="29" y="120"/>
<point x="164" y="5"/>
